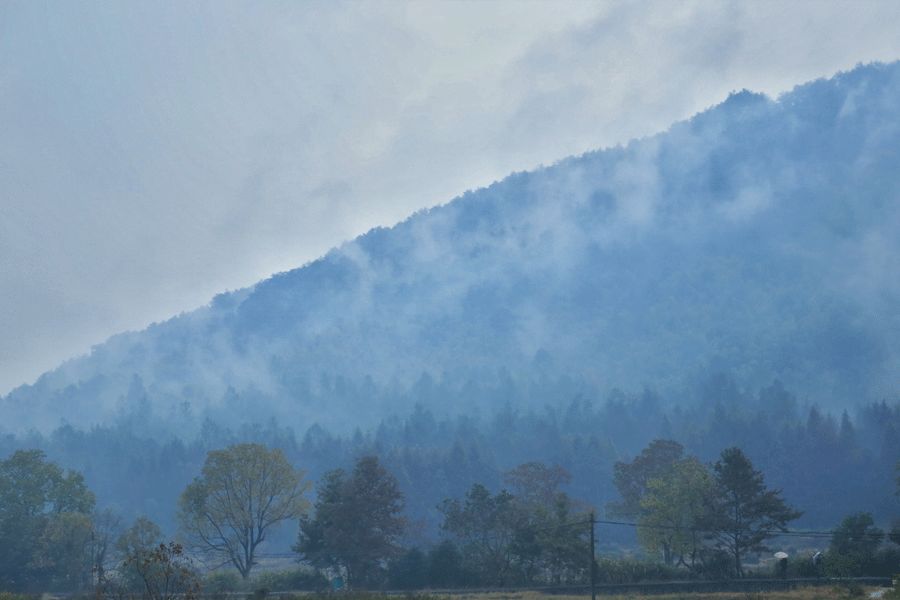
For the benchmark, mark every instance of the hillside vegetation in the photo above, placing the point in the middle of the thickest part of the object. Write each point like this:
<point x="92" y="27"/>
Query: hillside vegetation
<point x="758" y="238"/>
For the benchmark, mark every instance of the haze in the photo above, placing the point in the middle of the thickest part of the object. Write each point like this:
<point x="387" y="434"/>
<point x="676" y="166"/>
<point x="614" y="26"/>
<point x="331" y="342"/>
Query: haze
<point x="154" y="155"/>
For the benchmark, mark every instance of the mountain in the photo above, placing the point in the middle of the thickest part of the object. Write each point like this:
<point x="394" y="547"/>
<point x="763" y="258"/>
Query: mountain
<point x="758" y="238"/>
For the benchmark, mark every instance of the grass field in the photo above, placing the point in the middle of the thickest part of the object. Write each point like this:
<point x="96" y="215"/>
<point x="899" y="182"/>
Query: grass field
<point x="809" y="593"/>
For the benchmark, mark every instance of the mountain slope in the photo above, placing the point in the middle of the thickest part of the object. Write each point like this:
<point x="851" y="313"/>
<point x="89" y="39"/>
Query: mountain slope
<point x="759" y="238"/>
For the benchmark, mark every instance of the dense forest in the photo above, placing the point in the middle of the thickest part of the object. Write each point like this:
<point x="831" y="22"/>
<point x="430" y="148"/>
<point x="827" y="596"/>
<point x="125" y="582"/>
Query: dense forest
<point x="693" y="520"/>
<point x="757" y="238"/>
<point x="681" y="353"/>
<point x="831" y="464"/>
<point x="727" y="286"/>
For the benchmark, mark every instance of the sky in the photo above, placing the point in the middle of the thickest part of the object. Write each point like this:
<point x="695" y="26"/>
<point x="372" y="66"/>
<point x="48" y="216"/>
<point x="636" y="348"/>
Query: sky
<point x="155" y="154"/>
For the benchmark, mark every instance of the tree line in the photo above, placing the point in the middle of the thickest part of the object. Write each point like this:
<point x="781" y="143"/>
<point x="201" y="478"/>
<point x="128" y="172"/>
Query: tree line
<point x="831" y="464"/>
<point x="693" y="520"/>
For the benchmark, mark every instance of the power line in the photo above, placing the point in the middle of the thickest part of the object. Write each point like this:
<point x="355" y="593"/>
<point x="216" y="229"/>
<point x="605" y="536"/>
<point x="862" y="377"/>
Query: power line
<point x="797" y="533"/>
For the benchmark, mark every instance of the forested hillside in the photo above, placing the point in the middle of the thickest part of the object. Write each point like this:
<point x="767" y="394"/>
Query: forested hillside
<point x="828" y="464"/>
<point x="758" y="238"/>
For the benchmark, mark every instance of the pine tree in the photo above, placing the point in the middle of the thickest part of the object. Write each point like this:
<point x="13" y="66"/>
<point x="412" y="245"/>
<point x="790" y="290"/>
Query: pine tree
<point x="743" y="512"/>
<point x="357" y="522"/>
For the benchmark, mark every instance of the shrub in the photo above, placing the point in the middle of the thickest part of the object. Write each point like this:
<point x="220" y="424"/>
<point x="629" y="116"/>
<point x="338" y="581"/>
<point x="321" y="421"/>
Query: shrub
<point x="297" y="579"/>
<point x="221" y="582"/>
<point x="885" y="561"/>
<point x="632" y="570"/>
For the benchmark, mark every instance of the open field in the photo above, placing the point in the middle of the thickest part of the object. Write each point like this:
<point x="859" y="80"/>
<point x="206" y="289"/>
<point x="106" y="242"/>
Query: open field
<point x="809" y="593"/>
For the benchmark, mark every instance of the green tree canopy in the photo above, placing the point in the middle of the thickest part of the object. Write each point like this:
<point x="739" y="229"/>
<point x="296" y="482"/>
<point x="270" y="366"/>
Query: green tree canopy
<point x="551" y="536"/>
<point x="242" y="493"/>
<point x="356" y="524"/>
<point x="486" y="527"/>
<point x="672" y="511"/>
<point x="631" y="478"/>
<point x="63" y="551"/>
<point x="43" y="514"/>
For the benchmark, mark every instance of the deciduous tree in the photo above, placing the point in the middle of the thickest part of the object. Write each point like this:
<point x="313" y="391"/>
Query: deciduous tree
<point x="39" y="501"/>
<point x="242" y="493"/>
<point x="551" y="537"/>
<point x="673" y="509"/>
<point x="631" y="478"/>
<point x="486" y="527"/>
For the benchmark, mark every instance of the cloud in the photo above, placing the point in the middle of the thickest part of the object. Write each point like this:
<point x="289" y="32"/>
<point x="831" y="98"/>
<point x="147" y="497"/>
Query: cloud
<point x="153" y="155"/>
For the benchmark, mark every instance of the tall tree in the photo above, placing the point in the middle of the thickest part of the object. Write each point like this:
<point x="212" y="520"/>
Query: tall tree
<point x="356" y="524"/>
<point x="486" y="527"/>
<point x="743" y="512"/>
<point x="63" y="551"/>
<point x="552" y="529"/>
<point x="243" y="492"/>
<point x="631" y="478"/>
<point x="39" y="501"/>
<point x="672" y="511"/>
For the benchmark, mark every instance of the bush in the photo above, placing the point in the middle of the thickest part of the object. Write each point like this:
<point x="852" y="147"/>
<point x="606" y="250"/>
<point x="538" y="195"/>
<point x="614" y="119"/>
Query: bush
<point x="446" y="567"/>
<point x="884" y="563"/>
<point x="409" y="571"/>
<point x="632" y="570"/>
<point x="221" y="582"/>
<point x="289" y="580"/>
<point x="803" y="566"/>
<point x="851" y="590"/>
<point x="350" y="595"/>
<point x="842" y="565"/>
<point x="716" y="564"/>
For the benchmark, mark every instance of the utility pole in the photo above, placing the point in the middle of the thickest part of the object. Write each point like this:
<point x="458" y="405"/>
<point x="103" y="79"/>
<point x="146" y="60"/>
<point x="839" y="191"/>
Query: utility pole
<point x="593" y="561"/>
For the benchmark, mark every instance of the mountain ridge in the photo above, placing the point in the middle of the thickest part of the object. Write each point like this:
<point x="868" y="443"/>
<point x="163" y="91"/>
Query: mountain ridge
<point x="692" y="250"/>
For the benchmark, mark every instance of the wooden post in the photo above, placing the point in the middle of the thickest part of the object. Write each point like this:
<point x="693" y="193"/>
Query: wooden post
<point x="593" y="561"/>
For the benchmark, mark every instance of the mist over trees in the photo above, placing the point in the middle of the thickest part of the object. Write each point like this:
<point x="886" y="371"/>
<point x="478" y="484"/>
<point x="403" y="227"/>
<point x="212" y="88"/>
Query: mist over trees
<point x="758" y="237"/>
<point x="357" y="522"/>
<point x="527" y="533"/>
<point x="243" y="493"/>
<point x="454" y="384"/>
<point x="828" y="464"/>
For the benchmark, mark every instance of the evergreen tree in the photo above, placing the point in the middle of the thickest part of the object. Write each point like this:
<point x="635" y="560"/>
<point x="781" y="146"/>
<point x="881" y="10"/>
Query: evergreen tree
<point x="356" y="524"/>
<point x="743" y="512"/>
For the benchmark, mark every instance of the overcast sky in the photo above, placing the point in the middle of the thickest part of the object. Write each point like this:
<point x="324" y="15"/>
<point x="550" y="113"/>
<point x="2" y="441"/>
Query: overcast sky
<point x="154" y="154"/>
